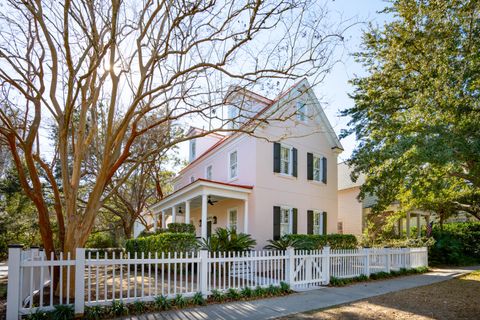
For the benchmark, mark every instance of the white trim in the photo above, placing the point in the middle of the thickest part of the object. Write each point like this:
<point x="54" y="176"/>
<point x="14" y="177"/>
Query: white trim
<point x="290" y="161"/>
<point x="320" y="212"/>
<point x="290" y="219"/>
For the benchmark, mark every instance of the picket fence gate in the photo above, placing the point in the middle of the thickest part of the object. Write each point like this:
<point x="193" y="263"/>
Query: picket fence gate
<point x="98" y="278"/>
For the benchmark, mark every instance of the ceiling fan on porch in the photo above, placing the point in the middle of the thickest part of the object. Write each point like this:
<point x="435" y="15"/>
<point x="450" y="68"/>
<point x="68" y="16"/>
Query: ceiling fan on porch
<point x="211" y="202"/>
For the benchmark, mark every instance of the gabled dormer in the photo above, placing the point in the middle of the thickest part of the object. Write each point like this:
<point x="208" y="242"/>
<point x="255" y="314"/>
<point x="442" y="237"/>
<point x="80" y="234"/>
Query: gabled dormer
<point x="202" y="142"/>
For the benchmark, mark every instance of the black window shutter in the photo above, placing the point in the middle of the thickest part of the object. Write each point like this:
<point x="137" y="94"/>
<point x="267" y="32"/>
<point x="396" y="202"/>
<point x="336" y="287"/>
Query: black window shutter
<point x="295" y="221"/>
<point x="294" y="162"/>
<point x="324" y="222"/>
<point x="276" y="157"/>
<point x="324" y="170"/>
<point x="310" y="222"/>
<point x="276" y="223"/>
<point x="309" y="166"/>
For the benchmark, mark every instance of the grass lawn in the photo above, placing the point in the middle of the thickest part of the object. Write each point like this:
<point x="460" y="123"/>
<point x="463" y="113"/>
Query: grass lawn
<point x="453" y="299"/>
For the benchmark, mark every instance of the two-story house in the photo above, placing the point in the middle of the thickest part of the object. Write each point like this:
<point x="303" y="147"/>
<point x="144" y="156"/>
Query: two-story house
<point x="279" y="180"/>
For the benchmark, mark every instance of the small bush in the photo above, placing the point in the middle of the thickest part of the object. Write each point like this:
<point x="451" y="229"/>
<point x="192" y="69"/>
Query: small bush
<point x="118" y="308"/>
<point x="285" y="287"/>
<point x="316" y="242"/>
<point x="217" y="295"/>
<point x="246" y="292"/>
<point x="138" y="307"/>
<point x="63" y="312"/>
<point x="100" y="240"/>
<point x="232" y="294"/>
<point x="198" y="299"/>
<point x="162" y="303"/>
<point x="228" y="240"/>
<point x="260" y="292"/>
<point x="179" y="301"/>
<point x="181" y="228"/>
<point x="94" y="313"/>
<point x="39" y="315"/>
<point x="380" y="275"/>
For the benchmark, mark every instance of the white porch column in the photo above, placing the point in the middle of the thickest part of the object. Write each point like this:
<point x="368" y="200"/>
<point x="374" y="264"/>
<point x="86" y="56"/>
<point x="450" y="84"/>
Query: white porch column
<point x="187" y="211"/>
<point x="245" y="216"/>
<point x="418" y="226"/>
<point x="163" y="219"/>
<point x="155" y="222"/>
<point x="408" y="225"/>
<point x="174" y="214"/>
<point x="204" y="216"/>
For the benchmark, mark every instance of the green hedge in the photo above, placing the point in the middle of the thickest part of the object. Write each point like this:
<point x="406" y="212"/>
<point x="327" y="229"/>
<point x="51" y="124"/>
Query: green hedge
<point x="181" y="228"/>
<point x="314" y="241"/>
<point x="163" y="242"/>
<point x="456" y="244"/>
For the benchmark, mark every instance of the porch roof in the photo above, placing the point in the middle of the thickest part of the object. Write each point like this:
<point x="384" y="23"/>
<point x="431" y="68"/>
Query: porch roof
<point x="200" y="187"/>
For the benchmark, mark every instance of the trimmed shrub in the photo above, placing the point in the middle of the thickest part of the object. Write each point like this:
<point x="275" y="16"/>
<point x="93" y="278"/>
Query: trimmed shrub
<point x="198" y="299"/>
<point x="100" y="240"/>
<point x="162" y="303"/>
<point x="402" y="243"/>
<point x="455" y="244"/>
<point x="181" y="228"/>
<point x="315" y="242"/>
<point x="163" y="242"/>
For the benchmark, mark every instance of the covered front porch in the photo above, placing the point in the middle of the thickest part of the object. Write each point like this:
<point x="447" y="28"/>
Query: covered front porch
<point x="207" y="205"/>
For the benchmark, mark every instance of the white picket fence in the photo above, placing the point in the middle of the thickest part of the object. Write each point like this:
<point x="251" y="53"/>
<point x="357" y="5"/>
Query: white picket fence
<point x="99" y="278"/>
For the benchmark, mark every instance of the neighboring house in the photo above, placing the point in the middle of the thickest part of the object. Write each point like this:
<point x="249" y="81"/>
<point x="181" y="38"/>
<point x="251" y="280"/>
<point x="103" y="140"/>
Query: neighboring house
<point x="280" y="180"/>
<point x="353" y="213"/>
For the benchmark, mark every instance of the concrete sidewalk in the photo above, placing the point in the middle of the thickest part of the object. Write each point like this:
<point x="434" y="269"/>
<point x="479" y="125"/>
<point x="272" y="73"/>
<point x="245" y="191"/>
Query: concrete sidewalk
<point x="306" y="301"/>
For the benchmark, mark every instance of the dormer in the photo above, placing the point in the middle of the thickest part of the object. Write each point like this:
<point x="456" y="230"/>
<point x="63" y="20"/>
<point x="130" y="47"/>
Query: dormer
<point x="243" y="105"/>
<point x="202" y="142"/>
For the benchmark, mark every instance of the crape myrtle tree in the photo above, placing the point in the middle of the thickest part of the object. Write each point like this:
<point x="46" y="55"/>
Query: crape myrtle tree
<point x="139" y="65"/>
<point x="417" y="114"/>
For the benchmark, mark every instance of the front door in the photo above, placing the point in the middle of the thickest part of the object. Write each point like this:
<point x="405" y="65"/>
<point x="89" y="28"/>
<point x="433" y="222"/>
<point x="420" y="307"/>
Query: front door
<point x="209" y="229"/>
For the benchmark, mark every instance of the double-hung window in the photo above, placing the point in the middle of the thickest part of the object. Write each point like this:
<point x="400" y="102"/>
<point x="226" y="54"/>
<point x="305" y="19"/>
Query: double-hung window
<point x="285" y="221"/>
<point x="232" y="218"/>
<point x="208" y="172"/>
<point x="233" y="165"/>
<point x="317" y="168"/>
<point x="193" y="149"/>
<point x="317" y="222"/>
<point x="286" y="160"/>
<point x="301" y="111"/>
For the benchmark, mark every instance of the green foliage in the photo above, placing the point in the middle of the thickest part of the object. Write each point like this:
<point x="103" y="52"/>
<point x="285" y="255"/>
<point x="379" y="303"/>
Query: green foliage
<point x="164" y="242"/>
<point x="282" y="244"/>
<point x="233" y="294"/>
<point x="380" y="275"/>
<point x="162" y="303"/>
<point x="118" y="308"/>
<point x="315" y="242"/>
<point x="63" y="312"/>
<point x="416" y="114"/>
<point x="179" y="301"/>
<point x="456" y="244"/>
<point x="400" y="243"/>
<point x="217" y="295"/>
<point x="260" y="292"/>
<point x="181" y="228"/>
<point x="285" y="287"/>
<point x="198" y="299"/>
<point x="100" y="240"/>
<point x="228" y="240"/>
<point x="39" y="315"/>
<point x="94" y="313"/>
<point x="138" y="307"/>
<point x="247" y="292"/>
<point x="340" y="282"/>
<point x="273" y="290"/>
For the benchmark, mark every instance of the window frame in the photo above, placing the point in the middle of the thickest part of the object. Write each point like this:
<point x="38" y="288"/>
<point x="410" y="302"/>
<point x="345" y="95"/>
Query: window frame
<point x="229" y="212"/>
<point x="230" y="177"/>
<point x="318" y="228"/>
<point x="290" y="160"/>
<point x="301" y="112"/>
<point x="290" y="220"/>
<point x="320" y="168"/>
<point x="211" y="172"/>
<point x="193" y="149"/>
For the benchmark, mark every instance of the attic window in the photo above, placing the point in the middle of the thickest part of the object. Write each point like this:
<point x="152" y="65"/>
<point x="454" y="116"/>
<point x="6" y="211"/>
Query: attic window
<point x="301" y="111"/>
<point x="193" y="149"/>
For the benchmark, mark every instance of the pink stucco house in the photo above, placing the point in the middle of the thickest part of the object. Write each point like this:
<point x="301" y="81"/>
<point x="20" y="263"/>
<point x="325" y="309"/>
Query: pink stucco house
<point x="280" y="180"/>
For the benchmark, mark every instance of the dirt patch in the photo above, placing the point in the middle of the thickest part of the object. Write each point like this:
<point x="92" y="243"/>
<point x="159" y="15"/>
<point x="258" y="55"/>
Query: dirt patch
<point x="453" y="299"/>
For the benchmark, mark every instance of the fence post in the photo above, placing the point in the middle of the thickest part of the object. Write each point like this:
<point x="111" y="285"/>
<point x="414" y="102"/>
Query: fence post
<point x="13" y="287"/>
<point x="366" y="252"/>
<point x="388" y="260"/>
<point x="326" y="265"/>
<point x="80" y="282"/>
<point x="290" y="266"/>
<point x="204" y="272"/>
